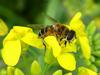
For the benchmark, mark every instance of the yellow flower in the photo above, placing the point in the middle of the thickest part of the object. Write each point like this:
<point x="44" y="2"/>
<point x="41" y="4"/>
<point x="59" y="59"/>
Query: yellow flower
<point x="77" y="25"/>
<point x="3" y="28"/>
<point x="12" y="43"/>
<point x="24" y="34"/>
<point x="85" y="71"/>
<point x="11" y="52"/>
<point x="64" y="54"/>
<point x="66" y="60"/>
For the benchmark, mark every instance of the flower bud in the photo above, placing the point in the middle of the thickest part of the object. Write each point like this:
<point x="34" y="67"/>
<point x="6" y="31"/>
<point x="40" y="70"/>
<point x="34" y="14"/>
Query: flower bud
<point x="58" y="72"/>
<point x="35" y="68"/>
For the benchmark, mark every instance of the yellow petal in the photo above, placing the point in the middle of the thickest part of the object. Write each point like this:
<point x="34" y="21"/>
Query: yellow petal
<point x="17" y="33"/>
<point x="86" y="50"/>
<point x="85" y="71"/>
<point x="53" y="43"/>
<point x="67" y="61"/>
<point x="22" y="30"/>
<point x="77" y="25"/>
<point x="11" y="52"/>
<point x="33" y="40"/>
<point x="10" y="37"/>
<point x="70" y="47"/>
<point x="76" y="18"/>
<point x="3" y="28"/>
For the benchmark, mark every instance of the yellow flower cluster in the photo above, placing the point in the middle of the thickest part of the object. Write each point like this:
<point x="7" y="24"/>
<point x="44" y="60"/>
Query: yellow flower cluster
<point x="65" y="55"/>
<point x="12" y="44"/>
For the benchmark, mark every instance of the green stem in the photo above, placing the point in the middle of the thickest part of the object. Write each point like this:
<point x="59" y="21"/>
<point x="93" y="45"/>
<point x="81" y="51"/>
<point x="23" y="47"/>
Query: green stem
<point x="10" y="70"/>
<point x="45" y="69"/>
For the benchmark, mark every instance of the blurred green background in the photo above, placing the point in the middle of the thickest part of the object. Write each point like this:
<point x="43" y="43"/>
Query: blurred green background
<point x="24" y="12"/>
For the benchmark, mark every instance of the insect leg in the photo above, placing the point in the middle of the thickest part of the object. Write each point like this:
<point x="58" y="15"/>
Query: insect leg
<point x="44" y="43"/>
<point x="65" y="43"/>
<point x="61" y="39"/>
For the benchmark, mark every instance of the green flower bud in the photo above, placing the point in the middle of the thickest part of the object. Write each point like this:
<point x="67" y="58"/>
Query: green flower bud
<point x="10" y="70"/>
<point x="68" y="73"/>
<point x="92" y="59"/>
<point x="58" y="72"/>
<point x="97" y="62"/>
<point x="91" y="28"/>
<point x="97" y="37"/>
<point x="35" y="68"/>
<point x="93" y="67"/>
<point x="96" y="53"/>
<point x="87" y="62"/>
<point x="49" y="58"/>
<point x="18" y="72"/>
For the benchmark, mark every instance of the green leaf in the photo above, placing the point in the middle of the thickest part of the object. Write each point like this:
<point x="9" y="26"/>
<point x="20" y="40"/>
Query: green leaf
<point x="35" y="68"/>
<point x="58" y="72"/>
<point x="91" y="28"/>
<point x="18" y="72"/>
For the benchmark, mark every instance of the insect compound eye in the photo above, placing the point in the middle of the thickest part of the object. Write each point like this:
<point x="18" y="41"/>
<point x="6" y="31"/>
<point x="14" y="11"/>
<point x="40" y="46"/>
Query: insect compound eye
<point x="72" y="32"/>
<point x="70" y="35"/>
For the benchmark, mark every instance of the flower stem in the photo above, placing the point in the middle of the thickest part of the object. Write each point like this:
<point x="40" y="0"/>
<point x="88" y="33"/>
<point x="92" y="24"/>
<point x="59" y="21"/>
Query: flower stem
<point x="45" y="69"/>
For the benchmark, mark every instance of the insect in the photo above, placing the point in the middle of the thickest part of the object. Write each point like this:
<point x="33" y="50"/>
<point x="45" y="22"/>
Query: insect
<point x="59" y="31"/>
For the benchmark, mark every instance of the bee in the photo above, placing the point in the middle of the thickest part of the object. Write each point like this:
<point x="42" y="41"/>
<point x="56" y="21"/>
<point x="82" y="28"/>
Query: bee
<point x="60" y="31"/>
